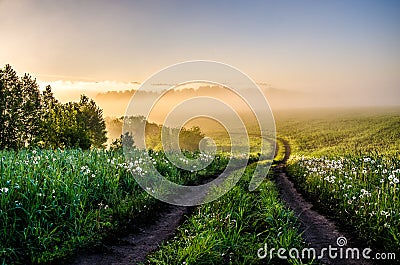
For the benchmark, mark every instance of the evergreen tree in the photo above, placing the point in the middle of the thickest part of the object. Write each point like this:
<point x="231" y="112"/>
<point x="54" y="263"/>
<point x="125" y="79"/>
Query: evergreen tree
<point x="2" y="110"/>
<point x="11" y="112"/>
<point x="31" y="109"/>
<point x="49" y="132"/>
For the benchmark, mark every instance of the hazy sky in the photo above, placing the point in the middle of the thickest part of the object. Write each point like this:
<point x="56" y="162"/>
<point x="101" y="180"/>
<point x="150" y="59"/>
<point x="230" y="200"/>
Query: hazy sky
<point x="333" y="47"/>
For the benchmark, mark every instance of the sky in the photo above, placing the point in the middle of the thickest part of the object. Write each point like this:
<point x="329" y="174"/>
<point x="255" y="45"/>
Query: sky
<point x="341" y="49"/>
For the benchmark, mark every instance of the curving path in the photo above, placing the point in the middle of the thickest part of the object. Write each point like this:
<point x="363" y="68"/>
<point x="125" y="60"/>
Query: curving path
<point x="318" y="230"/>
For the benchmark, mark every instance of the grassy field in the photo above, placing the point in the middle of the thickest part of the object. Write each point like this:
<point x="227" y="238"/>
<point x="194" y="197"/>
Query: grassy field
<point x="317" y="132"/>
<point x="55" y="202"/>
<point x="348" y="162"/>
<point x="233" y="228"/>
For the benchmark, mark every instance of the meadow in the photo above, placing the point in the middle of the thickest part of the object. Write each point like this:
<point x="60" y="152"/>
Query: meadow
<point x="233" y="228"/>
<point x="55" y="202"/>
<point x="348" y="163"/>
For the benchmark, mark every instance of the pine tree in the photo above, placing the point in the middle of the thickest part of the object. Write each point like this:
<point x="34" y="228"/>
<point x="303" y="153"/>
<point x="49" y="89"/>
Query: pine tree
<point x="31" y="111"/>
<point x="12" y="100"/>
<point x="2" y="110"/>
<point x="48" y="131"/>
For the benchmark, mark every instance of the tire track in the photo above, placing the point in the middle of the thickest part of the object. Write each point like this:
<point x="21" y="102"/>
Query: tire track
<point x="318" y="230"/>
<point x="134" y="247"/>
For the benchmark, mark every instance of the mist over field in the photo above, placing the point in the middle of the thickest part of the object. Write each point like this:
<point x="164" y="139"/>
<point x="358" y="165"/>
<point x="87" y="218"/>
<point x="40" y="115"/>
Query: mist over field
<point x="283" y="103"/>
<point x="114" y="103"/>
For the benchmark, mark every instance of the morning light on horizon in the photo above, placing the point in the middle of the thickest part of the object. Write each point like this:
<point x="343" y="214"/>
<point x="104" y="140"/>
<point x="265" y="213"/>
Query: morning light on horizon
<point x="334" y="49"/>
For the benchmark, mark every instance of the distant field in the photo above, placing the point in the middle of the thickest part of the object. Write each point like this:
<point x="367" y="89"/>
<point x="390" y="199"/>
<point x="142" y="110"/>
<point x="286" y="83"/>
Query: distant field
<point x="344" y="131"/>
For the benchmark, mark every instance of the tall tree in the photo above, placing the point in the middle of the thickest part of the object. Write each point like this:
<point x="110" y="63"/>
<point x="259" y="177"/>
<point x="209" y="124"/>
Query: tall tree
<point x="11" y="113"/>
<point x="71" y="127"/>
<point x="49" y="132"/>
<point x="189" y="139"/>
<point x="2" y="109"/>
<point x="91" y="117"/>
<point x="31" y="109"/>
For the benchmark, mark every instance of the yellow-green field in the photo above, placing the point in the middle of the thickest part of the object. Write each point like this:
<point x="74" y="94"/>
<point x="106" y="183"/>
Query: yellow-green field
<point x="348" y="162"/>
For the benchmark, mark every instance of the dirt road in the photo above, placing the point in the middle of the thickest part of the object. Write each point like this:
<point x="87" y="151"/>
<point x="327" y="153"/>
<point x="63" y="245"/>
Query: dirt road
<point x="319" y="231"/>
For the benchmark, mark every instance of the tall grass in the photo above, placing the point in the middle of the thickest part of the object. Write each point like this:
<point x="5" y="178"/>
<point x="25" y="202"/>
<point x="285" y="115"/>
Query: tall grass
<point x="55" y="202"/>
<point x="362" y="191"/>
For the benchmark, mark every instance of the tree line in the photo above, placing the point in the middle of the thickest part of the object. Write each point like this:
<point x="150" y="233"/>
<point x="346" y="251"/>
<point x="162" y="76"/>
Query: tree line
<point x="188" y="138"/>
<point x="30" y="118"/>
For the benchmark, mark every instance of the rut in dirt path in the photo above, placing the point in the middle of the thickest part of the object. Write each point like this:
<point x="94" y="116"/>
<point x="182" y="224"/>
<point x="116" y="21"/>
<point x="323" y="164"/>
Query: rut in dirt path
<point x="134" y="247"/>
<point x="318" y="230"/>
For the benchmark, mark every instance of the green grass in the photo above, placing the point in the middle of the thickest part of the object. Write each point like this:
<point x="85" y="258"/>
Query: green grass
<point x="361" y="191"/>
<point x="55" y="202"/>
<point x="348" y="163"/>
<point x="280" y="152"/>
<point x="231" y="229"/>
<point x="340" y="131"/>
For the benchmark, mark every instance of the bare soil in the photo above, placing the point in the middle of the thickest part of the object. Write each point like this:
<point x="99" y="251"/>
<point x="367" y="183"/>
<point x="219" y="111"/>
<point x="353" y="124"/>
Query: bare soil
<point x="135" y="246"/>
